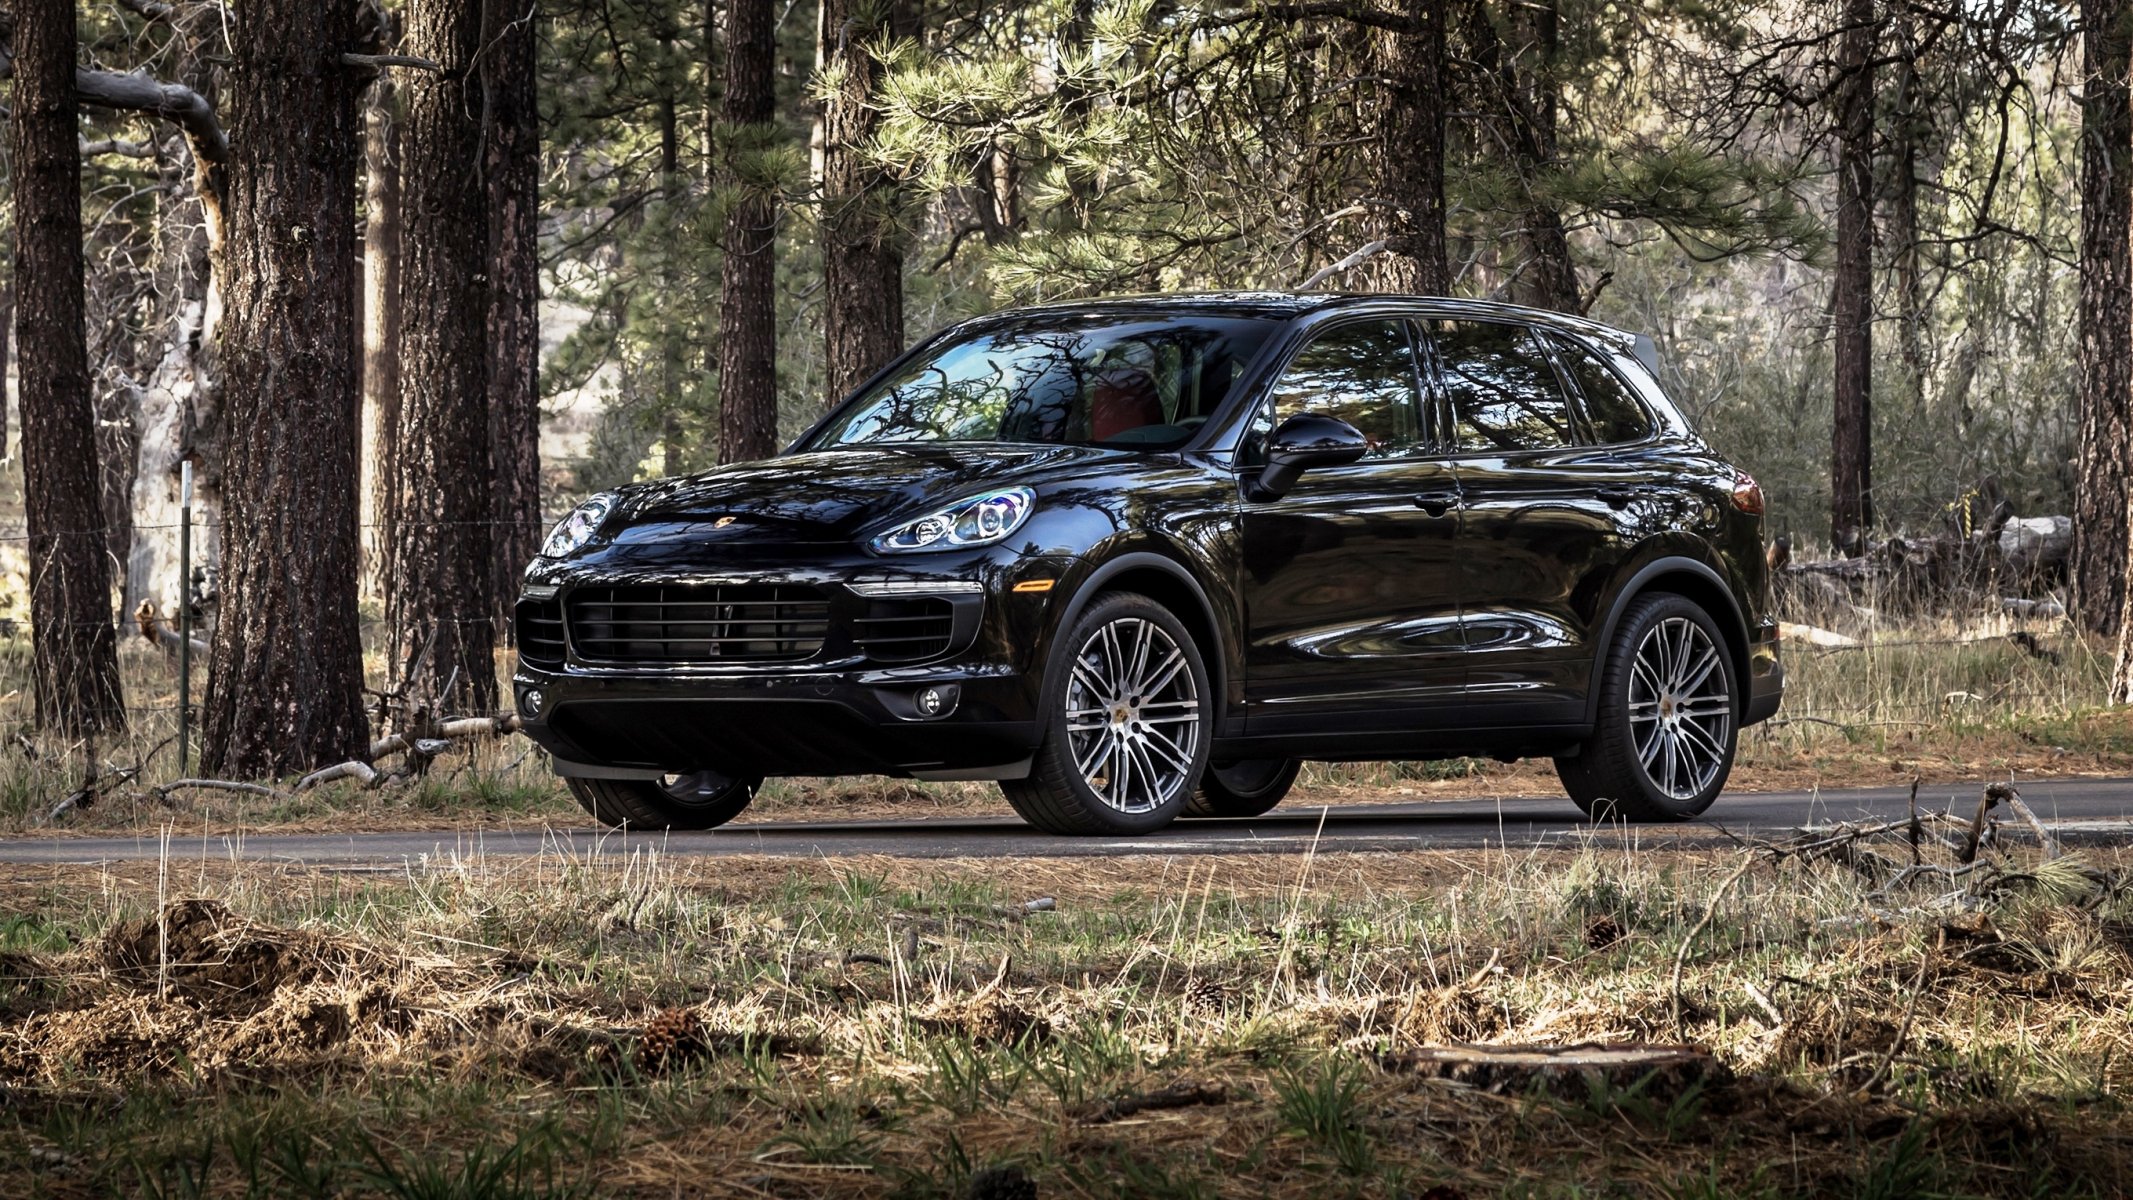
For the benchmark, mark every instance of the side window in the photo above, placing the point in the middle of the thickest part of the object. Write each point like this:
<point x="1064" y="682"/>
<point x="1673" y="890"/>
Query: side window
<point x="1504" y="393"/>
<point x="1612" y="410"/>
<point x="1363" y="374"/>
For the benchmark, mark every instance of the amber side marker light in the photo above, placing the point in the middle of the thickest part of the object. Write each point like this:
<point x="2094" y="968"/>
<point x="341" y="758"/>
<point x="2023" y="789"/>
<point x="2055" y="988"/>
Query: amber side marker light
<point x="1747" y="494"/>
<point x="1035" y="585"/>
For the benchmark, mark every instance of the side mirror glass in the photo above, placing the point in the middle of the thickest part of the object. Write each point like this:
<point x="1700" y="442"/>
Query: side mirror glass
<point x="1302" y="442"/>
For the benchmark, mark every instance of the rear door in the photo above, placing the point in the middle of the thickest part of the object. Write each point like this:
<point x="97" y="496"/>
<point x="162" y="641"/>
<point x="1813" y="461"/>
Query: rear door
<point x="1350" y="587"/>
<point x="1540" y="533"/>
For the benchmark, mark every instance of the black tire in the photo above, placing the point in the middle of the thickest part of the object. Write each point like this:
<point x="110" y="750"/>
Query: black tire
<point x="1244" y="789"/>
<point x="703" y="800"/>
<point x="1059" y="796"/>
<point x="1693" y="730"/>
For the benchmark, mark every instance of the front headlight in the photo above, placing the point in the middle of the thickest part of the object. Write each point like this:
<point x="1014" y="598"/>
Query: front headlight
<point x="975" y="521"/>
<point x="577" y="529"/>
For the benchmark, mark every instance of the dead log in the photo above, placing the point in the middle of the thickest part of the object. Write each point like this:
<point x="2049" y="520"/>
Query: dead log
<point x="1655" y="1070"/>
<point x="2033" y="545"/>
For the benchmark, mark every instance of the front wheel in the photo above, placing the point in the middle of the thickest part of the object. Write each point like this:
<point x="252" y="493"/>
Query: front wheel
<point x="1127" y="720"/>
<point x="1668" y="721"/>
<point x="700" y="800"/>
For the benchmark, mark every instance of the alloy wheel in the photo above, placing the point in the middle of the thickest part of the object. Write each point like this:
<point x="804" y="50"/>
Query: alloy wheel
<point x="1680" y="714"/>
<point x="1133" y="716"/>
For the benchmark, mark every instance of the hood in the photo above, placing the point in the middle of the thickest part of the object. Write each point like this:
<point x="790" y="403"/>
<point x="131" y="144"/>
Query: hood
<point x="833" y="495"/>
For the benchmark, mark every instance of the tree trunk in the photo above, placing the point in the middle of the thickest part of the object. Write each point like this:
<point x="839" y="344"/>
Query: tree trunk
<point x="74" y="644"/>
<point x="1912" y="123"/>
<point x="381" y="323"/>
<point x="513" y="173"/>
<point x="1411" y="156"/>
<point x="862" y="247"/>
<point x="1852" y="290"/>
<point x="285" y="691"/>
<point x="2102" y="468"/>
<point x="441" y="607"/>
<point x="1550" y="278"/>
<point x="747" y="301"/>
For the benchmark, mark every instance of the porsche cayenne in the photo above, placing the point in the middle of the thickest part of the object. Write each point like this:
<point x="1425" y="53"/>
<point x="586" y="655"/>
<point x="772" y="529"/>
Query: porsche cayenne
<point x="1137" y="559"/>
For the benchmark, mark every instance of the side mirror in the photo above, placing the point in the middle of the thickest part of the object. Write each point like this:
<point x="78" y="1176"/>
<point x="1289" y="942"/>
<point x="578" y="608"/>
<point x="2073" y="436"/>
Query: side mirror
<point x="1302" y="442"/>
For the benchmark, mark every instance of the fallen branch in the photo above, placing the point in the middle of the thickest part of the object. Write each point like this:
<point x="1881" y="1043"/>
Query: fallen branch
<point x="351" y="769"/>
<point x="2007" y="793"/>
<point x="220" y="785"/>
<point x="1681" y="956"/>
<point x="430" y="740"/>
<point x="1185" y="1093"/>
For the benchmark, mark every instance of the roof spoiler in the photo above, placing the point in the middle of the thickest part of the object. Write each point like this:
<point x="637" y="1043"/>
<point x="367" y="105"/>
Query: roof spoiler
<point x="1647" y="352"/>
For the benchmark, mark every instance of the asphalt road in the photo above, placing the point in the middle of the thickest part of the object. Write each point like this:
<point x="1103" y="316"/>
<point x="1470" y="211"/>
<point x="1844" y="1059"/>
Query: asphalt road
<point x="2091" y="810"/>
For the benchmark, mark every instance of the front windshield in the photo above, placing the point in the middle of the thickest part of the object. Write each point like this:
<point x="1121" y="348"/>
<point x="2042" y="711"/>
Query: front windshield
<point x="1080" y="379"/>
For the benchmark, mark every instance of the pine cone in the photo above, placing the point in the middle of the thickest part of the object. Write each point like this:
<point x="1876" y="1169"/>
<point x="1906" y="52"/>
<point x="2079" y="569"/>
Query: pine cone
<point x="1602" y="931"/>
<point x="1205" y="998"/>
<point x="671" y="1039"/>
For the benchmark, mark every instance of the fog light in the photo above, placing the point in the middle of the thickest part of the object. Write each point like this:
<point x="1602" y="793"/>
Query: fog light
<point x="931" y="702"/>
<point x="529" y="702"/>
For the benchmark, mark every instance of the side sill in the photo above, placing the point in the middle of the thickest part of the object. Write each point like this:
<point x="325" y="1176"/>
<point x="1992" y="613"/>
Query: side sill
<point x="577" y="770"/>
<point x="1019" y="769"/>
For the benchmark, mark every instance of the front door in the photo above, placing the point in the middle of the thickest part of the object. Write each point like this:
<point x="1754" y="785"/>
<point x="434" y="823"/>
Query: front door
<point x="1350" y="581"/>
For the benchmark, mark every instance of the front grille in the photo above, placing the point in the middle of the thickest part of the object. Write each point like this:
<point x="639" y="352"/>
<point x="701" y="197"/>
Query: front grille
<point x="540" y="632"/>
<point x="905" y="630"/>
<point x="752" y="622"/>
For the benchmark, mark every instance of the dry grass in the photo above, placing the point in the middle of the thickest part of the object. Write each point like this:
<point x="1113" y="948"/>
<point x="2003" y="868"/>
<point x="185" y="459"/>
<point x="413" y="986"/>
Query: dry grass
<point x="645" y="1026"/>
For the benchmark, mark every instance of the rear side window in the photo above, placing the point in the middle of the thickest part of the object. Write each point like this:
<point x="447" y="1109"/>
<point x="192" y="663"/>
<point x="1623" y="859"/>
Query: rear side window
<point x="1612" y="410"/>
<point x="1503" y="391"/>
<point x="1363" y="374"/>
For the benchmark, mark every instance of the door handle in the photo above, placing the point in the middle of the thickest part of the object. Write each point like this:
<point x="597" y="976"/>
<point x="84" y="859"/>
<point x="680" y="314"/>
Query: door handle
<point x="1436" y="504"/>
<point x="1617" y="497"/>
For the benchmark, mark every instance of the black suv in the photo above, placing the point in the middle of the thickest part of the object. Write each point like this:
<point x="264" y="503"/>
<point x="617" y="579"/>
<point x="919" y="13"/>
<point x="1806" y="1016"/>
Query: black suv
<point x="1136" y="559"/>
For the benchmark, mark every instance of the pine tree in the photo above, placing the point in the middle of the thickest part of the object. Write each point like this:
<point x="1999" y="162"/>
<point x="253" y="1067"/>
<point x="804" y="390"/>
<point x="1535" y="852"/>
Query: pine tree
<point x="2104" y="456"/>
<point x="747" y="307"/>
<point x="440" y="607"/>
<point x="285" y="689"/>
<point x="75" y="659"/>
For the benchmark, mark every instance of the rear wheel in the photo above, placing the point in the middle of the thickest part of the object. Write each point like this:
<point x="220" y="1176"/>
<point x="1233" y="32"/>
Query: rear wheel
<point x="1127" y="719"/>
<point x="1669" y="718"/>
<point x="1243" y="789"/>
<point x="699" y="800"/>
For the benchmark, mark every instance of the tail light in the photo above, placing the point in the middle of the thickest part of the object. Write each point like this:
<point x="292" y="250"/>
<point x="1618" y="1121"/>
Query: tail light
<point x="1747" y="494"/>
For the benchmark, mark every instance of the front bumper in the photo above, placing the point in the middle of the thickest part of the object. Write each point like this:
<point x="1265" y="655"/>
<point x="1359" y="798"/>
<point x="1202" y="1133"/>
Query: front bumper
<point x="970" y="712"/>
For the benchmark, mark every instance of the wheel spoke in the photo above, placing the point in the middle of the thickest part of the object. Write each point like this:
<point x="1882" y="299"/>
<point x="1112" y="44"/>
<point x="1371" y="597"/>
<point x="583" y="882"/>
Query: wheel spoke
<point x="1170" y="751"/>
<point x="1701" y="671"/>
<point x="1141" y="646"/>
<point x="1168" y="670"/>
<point x="1649" y="751"/>
<point x="1086" y="764"/>
<point x="1085" y="675"/>
<point x="1122" y="776"/>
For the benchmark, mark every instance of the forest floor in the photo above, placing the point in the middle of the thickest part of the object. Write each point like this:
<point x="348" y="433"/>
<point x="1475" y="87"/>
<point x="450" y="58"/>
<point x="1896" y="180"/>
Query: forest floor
<point x="1135" y="1027"/>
